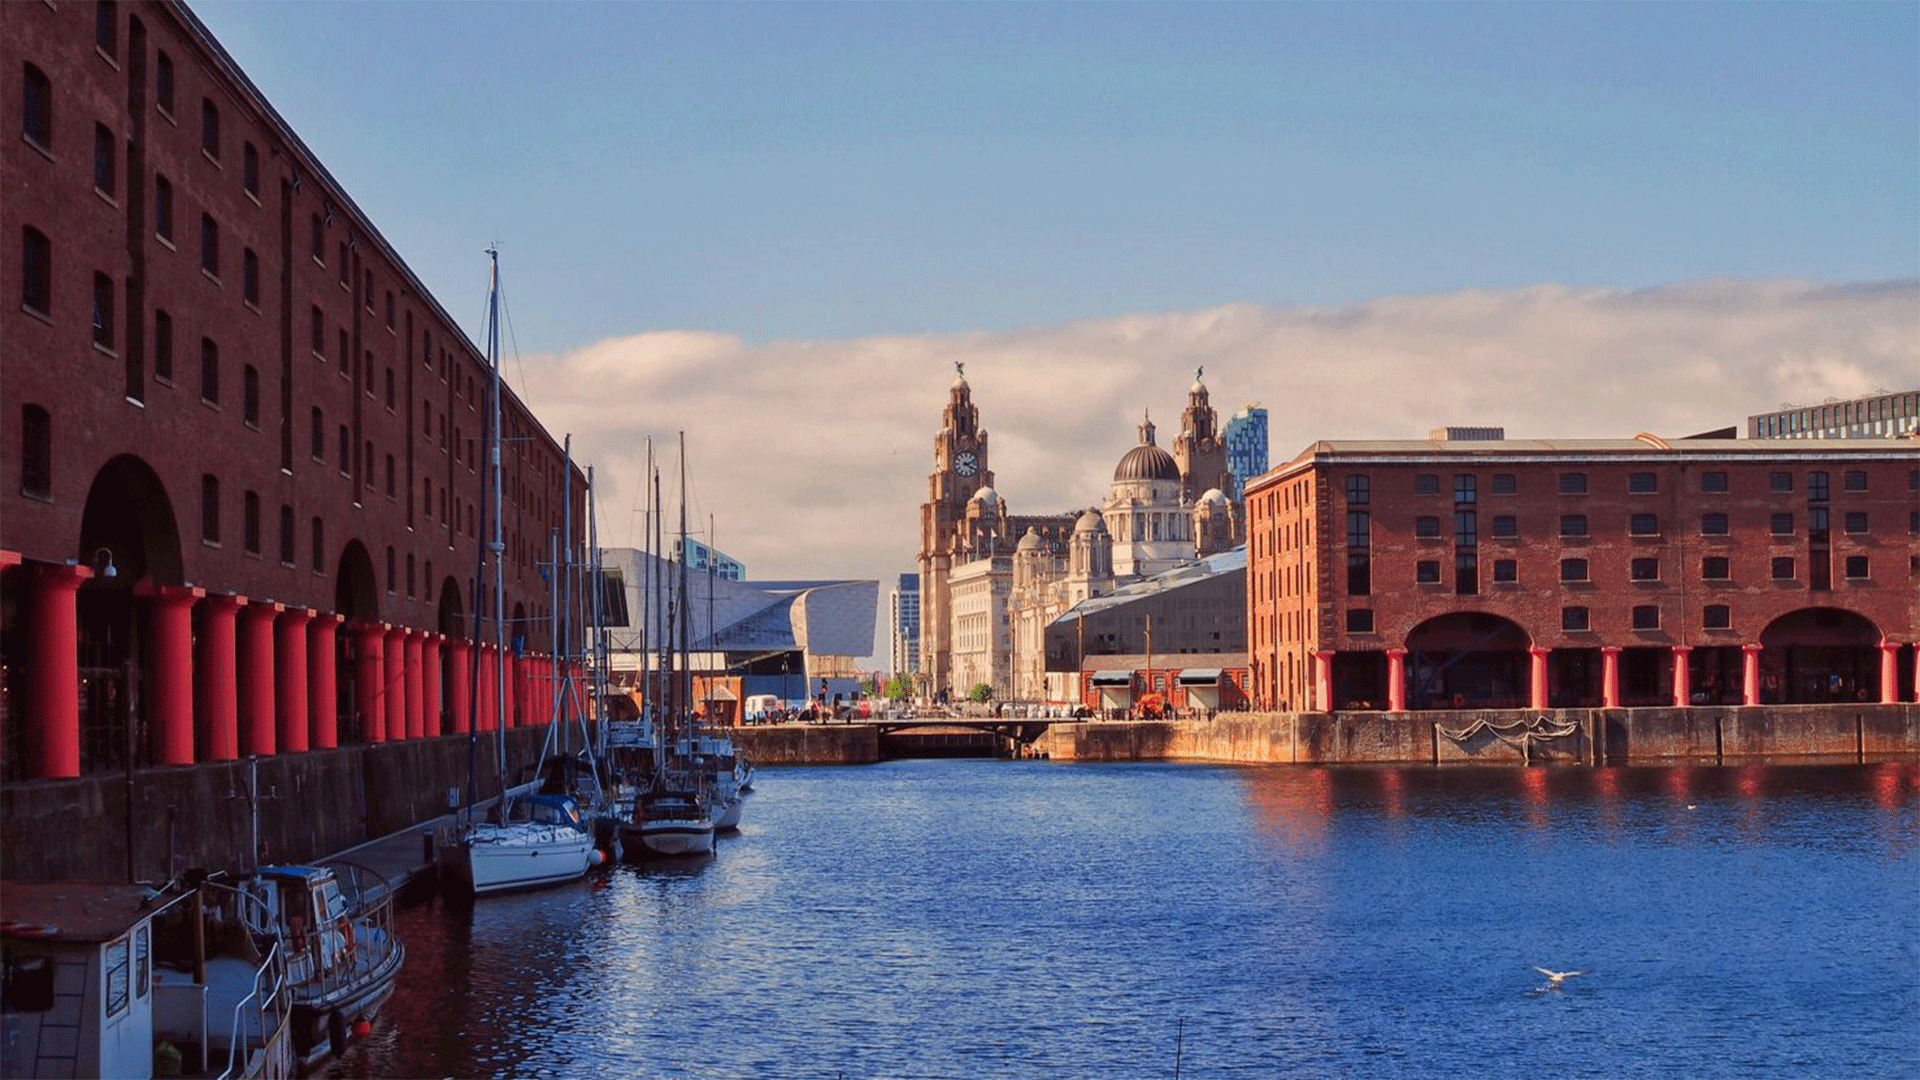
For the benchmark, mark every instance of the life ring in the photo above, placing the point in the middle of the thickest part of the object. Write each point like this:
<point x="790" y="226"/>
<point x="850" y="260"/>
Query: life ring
<point x="28" y="930"/>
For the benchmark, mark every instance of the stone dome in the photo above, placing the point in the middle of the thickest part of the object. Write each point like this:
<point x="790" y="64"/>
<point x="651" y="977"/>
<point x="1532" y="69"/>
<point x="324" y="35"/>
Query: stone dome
<point x="986" y="496"/>
<point x="1090" y="524"/>
<point x="1147" y="462"/>
<point x="1031" y="541"/>
<point x="1214" y="496"/>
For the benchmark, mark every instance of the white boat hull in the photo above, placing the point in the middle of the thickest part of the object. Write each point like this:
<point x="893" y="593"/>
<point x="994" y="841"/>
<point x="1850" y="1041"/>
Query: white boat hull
<point x="667" y="839"/>
<point x="501" y="858"/>
<point x="729" y="818"/>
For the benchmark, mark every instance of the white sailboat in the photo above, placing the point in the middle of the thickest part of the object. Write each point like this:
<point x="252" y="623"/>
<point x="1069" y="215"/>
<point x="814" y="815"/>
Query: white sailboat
<point x="538" y="839"/>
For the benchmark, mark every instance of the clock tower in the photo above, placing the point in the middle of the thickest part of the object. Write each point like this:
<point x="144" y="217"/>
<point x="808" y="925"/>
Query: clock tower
<point x="959" y="470"/>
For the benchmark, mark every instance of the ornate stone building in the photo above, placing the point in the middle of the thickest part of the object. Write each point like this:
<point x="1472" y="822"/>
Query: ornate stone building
<point x="991" y="581"/>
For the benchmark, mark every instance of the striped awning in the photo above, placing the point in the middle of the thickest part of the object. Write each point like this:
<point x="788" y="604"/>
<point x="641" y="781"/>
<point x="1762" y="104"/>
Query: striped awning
<point x="1200" y="676"/>
<point x="1113" y="678"/>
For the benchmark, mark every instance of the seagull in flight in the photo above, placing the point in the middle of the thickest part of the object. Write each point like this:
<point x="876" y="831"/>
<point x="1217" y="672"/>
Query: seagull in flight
<point x="1555" y="978"/>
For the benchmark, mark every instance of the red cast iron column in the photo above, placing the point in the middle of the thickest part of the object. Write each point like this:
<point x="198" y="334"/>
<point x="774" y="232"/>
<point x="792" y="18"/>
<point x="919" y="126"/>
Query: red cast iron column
<point x="394" y="681"/>
<point x="1610" y="676"/>
<point x="170" y="672"/>
<point x="290" y="670"/>
<point x="256" y="676"/>
<point x="416" y="720"/>
<point x="323" y="704"/>
<point x="369" y="674"/>
<point x="431" y="725"/>
<point x="53" y="696"/>
<point x="1682" y="677"/>
<point x="214" y="685"/>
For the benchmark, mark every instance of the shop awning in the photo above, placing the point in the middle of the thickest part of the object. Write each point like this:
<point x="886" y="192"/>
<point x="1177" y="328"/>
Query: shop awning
<point x="1200" y="676"/>
<point x="1113" y="678"/>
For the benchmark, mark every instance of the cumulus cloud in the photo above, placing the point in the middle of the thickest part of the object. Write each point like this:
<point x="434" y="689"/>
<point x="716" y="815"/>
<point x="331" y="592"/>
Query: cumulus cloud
<point x="812" y="457"/>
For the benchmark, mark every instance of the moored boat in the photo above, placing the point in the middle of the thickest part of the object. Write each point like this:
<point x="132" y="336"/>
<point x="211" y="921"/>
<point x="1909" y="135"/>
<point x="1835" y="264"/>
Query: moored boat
<point x="541" y="840"/>
<point x="668" y="823"/>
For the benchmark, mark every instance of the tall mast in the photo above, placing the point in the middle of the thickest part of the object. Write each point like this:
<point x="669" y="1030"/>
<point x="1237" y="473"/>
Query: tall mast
<point x="712" y="552"/>
<point x="686" y="672"/>
<point x="598" y="608"/>
<point x="646" y="603"/>
<point x="564" y="572"/>
<point x="495" y="546"/>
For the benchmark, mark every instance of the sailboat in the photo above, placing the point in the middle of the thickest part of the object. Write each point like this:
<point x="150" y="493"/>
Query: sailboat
<point x="675" y="814"/>
<point x="535" y="839"/>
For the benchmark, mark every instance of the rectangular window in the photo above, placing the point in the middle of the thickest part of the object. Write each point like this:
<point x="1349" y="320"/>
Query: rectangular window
<point x="1573" y="570"/>
<point x="210" y="128"/>
<point x="1857" y="568"/>
<point x="1504" y="484"/>
<point x="1780" y="524"/>
<point x="1644" y="570"/>
<point x="251" y="521"/>
<point x="319" y="546"/>
<point x="36" y="451"/>
<point x="390" y="404"/>
<point x="250" y="395"/>
<point x="346" y="355"/>
<point x="162" y="346"/>
<point x="1717" y="617"/>
<point x="209" y="245"/>
<point x="103" y="311"/>
<point x="1856" y="521"/>
<point x="163" y="208"/>
<point x="118" y="962"/>
<point x="1506" y="527"/>
<point x="1506" y="571"/>
<point x="1854" y="481"/>
<point x="36" y="112"/>
<point x="1780" y="481"/>
<point x="316" y="246"/>
<point x="209" y="371"/>
<point x="1713" y="525"/>
<point x="319" y="435"/>
<point x="1359" y="621"/>
<point x="1466" y="528"/>
<point x="1573" y="524"/>
<point x="36" y="279"/>
<point x="1357" y="487"/>
<point x="210" y="508"/>
<point x="391" y="491"/>
<point x="1646" y="617"/>
<point x="1817" y="490"/>
<point x="1465" y="489"/>
<point x="250" y="277"/>
<point x="1426" y="484"/>
<point x="1573" y="483"/>
<point x="1783" y="568"/>
<point x="1644" y="525"/>
<point x="286" y="534"/>
<point x="1715" y="568"/>
<point x="1713" y="483"/>
<point x="250" y="170"/>
<point x="1426" y="528"/>
<point x="1466" y="573"/>
<point x="1427" y="571"/>
<point x="317" y="333"/>
<point x="1643" y="483"/>
<point x="163" y="83"/>
<point x="1574" y="618"/>
<point x="102" y="159"/>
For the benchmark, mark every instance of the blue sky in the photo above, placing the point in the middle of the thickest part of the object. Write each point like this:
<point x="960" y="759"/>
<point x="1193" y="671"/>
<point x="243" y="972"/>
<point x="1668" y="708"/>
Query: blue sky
<point x="838" y="171"/>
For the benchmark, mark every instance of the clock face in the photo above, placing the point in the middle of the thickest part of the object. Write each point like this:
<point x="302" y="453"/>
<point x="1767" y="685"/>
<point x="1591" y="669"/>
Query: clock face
<point x="965" y="463"/>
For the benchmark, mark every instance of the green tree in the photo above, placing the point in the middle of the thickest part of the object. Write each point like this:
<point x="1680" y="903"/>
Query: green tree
<point x="899" y="688"/>
<point x="980" y="692"/>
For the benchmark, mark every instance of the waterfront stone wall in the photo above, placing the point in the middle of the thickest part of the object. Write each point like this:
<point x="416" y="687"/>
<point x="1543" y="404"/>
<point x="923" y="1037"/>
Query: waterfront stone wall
<point x="1779" y="734"/>
<point x="310" y="806"/>
<point x="809" y="744"/>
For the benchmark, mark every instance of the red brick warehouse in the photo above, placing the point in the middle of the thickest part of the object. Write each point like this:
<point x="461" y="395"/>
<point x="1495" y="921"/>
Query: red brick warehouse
<point x="1537" y="574"/>
<point x="243" y="445"/>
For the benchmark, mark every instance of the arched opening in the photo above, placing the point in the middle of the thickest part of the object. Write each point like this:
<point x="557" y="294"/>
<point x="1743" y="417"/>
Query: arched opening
<point x="1467" y="660"/>
<point x="451" y="620"/>
<point x="1818" y="655"/>
<point x="356" y="599"/>
<point x="128" y="537"/>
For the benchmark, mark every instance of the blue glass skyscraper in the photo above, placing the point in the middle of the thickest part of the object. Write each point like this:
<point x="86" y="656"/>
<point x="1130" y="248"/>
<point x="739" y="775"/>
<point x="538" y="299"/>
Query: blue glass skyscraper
<point x="1246" y="439"/>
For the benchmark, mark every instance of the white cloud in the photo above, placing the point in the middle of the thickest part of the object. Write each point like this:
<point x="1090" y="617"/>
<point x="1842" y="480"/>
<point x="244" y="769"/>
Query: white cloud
<point x="812" y="456"/>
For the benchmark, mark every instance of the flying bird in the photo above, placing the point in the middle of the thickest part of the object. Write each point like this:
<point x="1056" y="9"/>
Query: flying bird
<point x="1555" y="978"/>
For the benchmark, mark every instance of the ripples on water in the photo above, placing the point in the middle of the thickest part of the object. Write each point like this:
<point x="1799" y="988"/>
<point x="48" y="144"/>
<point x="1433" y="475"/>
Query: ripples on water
<point x="1022" y="919"/>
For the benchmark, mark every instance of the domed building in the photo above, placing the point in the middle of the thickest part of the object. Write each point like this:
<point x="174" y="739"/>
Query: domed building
<point x="1145" y="511"/>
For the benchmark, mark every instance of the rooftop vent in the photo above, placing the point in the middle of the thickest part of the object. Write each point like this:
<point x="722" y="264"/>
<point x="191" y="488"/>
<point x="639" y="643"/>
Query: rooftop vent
<point x="1467" y="434"/>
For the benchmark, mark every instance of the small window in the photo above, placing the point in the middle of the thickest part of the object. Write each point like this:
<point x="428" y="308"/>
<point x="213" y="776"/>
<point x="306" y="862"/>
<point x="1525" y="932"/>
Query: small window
<point x="367" y="465"/>
<point x="1573" y="483"/>
<point x="163" y="208"/>
<point x="318" y="542"/>
<point x="106" y="34"/>
<point x="36" y="451"/>
<point x="209" y="371"/>
<point x="210" y="508"/>
<point x="366" y="290"/>
<point x="1574" y="618"/>
<point x="1715" y="568"/>
<point x="1643" y="483"/>
<point x="103" y="311"/>
<point x="1426" y="528"/>
<point x="1506" y="571"/>
<point x="1854" y="481"/>
<point x="286" y="534"/>
<point x="209" y="245"/>
<point x="250" y="170"/>
<point x="1506" y="527"/>
<point x="36" y="107"/>
<point x="390" y="571"/>
<point x="1427" y="571"/>
<point x="1504" y="484"/>
<point x="1780" y="524"/>
<point x="1357" y="487"/>
<point x="250" y="277"/>
<point x="316" y="246"/>
<point x="118" y="959"/>
<point x="1717" y="617"/>
<point x="1644" y="570"/>
<point x="1780" y="482"/>
<point x="346" y="355"/>
<point x="250" y="395"/>
<point x="1573" y="570"/>
<point x="1573" y="524"/>
<point x="1359" y="620"/>
<point x="1817" y="490"/>
<point x="1465" y="489"/>
<point x="391" y="490"/>
<point x="1426" y="484"/>
<point x="36" y="279"/>
<point x="210" y="128"/>
<point x="1644" y="525"/>
<point x="1466" y="528"/>
<point x="389" y="309"/>
<point x="162" y="345"/>
<point x="1713" y="483"/>
<point x="390" y="388"/>
<point x="251" y="521"/>
<point x="319" y="435"/>
<point x="1856" y="521"/>
<point x="1646" y="617"/>
<point x="163" y="83"/>
<point x="102" y="159"/>
<point x="317" y="334"/>
<point x="1857" y="568"/>
<point x="1783" y="568"/>
<point x="1713" y="524"/>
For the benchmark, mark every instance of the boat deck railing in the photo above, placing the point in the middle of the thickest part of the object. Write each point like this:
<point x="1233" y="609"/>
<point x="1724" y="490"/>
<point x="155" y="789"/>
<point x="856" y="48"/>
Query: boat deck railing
<point x="266" y="1006"/>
